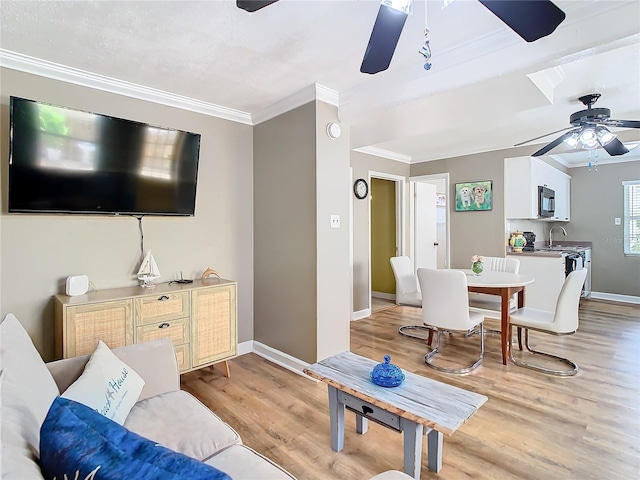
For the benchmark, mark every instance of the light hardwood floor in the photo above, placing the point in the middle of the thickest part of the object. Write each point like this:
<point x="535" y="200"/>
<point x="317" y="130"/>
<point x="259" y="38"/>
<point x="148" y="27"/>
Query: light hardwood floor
<point x="534" y="426"/>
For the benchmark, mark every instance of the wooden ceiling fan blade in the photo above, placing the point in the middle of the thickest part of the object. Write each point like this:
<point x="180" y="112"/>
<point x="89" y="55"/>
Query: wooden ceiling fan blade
<point x="542" y="136"/>
<point x="615" y="147"/>
<point x="553" y="144"/>
<point x="253" y="5"/>
<point x="384" y="38"/>
<point x="623" y="123"/>
<point x="531" y="19"/>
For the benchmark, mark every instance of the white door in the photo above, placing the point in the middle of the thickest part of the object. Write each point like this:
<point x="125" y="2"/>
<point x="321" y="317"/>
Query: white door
<point x="426" y="238"/>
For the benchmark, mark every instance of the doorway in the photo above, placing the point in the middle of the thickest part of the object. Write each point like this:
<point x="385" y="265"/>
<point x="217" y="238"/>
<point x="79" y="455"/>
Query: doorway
<point x="429" y="228"/>
<point x="386" y="223"/>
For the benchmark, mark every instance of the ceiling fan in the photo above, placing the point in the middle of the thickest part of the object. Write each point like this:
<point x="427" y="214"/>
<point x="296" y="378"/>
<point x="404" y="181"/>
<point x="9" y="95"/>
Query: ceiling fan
<point x="589" y="130"/>
<point x="531" y="19"/>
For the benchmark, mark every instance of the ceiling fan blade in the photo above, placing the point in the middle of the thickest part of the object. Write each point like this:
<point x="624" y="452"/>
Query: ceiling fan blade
<point x="623" y="123"/>
<point x="531" y="19"/>
<point x="552" y="145"/>
<point x="253" y="5"/>
<point x="384" y="38"/>
<point x="615" y="147"/>
<point x="542" y="136"/>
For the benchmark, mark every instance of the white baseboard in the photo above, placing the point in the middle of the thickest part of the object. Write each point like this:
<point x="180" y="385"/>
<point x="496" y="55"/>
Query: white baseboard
<point x="361" y="314"/>
<point x="614" y="297"/>
<point x="385" y="296"/>
<point x="245" y="347"/>
<point x="280" y="358"/>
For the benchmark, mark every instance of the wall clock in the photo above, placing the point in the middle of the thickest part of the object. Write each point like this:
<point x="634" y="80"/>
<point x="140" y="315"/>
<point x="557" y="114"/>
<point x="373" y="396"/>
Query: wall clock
<point x="360" y="188"/>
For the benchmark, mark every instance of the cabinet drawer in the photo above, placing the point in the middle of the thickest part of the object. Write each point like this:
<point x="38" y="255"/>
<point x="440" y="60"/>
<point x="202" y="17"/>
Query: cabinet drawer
<point x="162" y="307"/>
<point x="85" y="325"/>
<point x="175" y="330"/>
<point x="182" y="356"/>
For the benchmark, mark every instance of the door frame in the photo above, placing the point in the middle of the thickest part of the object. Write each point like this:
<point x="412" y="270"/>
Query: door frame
<point x="412" y="213"/>
<point x="401" y="222"/>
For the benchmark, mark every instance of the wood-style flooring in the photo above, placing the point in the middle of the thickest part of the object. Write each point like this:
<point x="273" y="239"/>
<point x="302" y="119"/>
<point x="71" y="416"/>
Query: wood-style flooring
<point x="534" y="426"/>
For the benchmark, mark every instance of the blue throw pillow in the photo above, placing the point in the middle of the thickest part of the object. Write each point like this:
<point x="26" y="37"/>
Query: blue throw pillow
<point x="74" y="439"/>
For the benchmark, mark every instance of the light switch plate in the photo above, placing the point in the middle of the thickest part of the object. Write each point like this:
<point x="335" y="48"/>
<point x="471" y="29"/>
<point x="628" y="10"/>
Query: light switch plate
<point x="335" y="221"/>
<point x="617" y="221"/>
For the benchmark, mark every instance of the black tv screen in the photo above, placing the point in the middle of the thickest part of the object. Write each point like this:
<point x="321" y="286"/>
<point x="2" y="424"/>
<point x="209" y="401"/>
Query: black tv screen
<point x="69" y="161"/>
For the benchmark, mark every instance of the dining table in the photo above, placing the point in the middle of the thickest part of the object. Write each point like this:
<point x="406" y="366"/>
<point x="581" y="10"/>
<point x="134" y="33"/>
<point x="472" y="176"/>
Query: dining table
<point x="504" y="285"/>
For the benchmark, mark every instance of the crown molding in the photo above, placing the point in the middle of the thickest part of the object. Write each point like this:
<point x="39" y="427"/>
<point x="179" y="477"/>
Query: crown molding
<point x="379" y="152"/>
<point x="56" y="71"/>
<point x="308" y="94"/>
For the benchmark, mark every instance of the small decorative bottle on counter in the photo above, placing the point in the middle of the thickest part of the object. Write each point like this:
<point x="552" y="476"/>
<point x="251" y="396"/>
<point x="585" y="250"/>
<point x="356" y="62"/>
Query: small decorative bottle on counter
<point x="517" y="241"/>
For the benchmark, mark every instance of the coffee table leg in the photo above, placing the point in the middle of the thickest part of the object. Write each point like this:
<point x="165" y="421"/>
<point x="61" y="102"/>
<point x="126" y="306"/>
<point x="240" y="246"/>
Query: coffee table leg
<point x="412" y="447"/>
<point x="336" y="419"/>
<point x="361" y="424"/>
<point x="434" y="450"/>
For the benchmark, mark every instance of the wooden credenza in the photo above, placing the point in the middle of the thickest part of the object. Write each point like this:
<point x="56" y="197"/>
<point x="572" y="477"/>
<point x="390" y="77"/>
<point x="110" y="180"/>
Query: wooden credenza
<point x="199" y="318"/>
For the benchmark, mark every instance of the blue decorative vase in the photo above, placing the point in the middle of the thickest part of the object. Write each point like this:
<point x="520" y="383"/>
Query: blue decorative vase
<point x="387" y="374"/>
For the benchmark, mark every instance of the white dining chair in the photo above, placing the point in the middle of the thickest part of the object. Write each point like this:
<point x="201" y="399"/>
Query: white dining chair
<point x="489" y="305"/>
<point x="407" y="293"/>
<point x="445" y="307"/>
<point x="562" y="321"/>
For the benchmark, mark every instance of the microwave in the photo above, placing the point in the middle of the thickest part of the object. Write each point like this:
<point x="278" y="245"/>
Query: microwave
<point x="546" y="202"/>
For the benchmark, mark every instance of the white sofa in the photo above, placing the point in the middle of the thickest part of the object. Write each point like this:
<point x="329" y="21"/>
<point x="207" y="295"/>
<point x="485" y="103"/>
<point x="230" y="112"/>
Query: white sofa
<point x="163" y="413"/>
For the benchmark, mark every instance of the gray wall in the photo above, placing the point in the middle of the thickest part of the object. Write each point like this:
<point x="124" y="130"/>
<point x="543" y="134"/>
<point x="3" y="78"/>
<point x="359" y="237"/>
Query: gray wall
<point x="471" y="233"/>
<point x="301" y="268"/>
<point x="362" y="164"/>
<point x="39" y="251"/>
<point x="596" y="199"/>
<point x="284" y="180"/>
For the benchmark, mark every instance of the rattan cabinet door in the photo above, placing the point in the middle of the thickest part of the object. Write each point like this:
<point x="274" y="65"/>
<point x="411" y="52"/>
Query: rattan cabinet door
<point x="85" y="325"/>
<point x="213" y="325"/>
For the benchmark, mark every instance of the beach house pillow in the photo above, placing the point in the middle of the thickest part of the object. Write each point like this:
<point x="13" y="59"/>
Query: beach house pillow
<point x="107" y="385"/>
<point x="77" y="442"/>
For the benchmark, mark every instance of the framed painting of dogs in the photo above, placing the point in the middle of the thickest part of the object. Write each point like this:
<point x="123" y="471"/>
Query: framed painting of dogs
<point x="474" y="196"/>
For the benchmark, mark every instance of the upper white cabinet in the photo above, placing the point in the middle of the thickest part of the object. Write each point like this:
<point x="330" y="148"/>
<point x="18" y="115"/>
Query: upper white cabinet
<point x="522" y="177"/>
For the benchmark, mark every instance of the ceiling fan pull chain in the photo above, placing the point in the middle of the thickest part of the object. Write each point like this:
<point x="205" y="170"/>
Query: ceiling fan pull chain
<point x="425" y="51"/>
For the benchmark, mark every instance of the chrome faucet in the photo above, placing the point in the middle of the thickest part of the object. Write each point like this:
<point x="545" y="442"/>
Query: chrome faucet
<point x="564" y="232"/>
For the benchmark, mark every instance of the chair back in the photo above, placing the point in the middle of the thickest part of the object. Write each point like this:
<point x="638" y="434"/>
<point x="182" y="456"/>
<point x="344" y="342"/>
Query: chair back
<point x="566" y="316"/>
<point x="498" y="264"/>
<point x="445" y="299"/>
<point x="406" y="281"/>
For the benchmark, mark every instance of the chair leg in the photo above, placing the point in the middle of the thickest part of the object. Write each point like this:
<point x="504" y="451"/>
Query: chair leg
<point x="549" y="371"/>
<point x="520" y="338"/>
<point x="468" y="369"/>
<point x="416" y="331"/>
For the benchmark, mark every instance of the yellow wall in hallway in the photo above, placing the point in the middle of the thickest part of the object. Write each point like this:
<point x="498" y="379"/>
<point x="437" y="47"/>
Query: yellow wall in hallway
<point x="383" y="235"/>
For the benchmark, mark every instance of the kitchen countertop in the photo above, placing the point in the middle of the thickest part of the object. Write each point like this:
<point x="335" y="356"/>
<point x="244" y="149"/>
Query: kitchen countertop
<point x="567" y="247"/>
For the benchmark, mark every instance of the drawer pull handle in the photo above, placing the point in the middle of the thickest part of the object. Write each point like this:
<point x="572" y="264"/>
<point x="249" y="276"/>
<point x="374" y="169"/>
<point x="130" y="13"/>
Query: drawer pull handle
<point x="163" y="297"/>
<point x="367" y="410"/>
<point x="163" y="325"/>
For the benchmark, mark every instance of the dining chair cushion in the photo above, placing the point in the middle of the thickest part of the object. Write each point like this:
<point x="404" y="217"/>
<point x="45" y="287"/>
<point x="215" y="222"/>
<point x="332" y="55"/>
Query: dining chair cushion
<point x="407" y="288"/>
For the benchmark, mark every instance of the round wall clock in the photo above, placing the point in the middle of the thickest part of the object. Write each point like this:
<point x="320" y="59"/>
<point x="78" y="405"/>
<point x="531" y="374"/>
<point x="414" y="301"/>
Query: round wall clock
<point x="360" y="188"/>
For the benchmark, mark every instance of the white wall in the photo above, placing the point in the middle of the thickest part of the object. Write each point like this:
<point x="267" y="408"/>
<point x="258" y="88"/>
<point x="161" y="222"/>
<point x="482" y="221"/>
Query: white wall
<point x="37" y="252"/>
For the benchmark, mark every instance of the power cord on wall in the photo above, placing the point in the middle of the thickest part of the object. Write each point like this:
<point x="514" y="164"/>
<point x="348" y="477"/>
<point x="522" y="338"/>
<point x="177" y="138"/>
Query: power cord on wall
<point x="141" y="237"/>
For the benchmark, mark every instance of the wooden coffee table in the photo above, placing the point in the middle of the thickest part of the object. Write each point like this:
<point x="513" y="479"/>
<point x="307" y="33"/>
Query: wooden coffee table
<point x="419" y="406"/>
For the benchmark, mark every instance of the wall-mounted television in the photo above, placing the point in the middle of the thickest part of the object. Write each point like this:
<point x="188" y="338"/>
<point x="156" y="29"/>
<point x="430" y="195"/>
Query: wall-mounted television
<point x="64" y="160"/>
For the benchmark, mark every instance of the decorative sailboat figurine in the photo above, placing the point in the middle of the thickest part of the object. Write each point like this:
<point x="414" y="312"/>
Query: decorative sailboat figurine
<point x="149" y="271"/>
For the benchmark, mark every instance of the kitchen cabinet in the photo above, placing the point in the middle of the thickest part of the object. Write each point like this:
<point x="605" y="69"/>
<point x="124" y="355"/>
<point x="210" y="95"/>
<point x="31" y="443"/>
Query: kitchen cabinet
<point x="522" y="177"/>
<point x="199" y="318"/>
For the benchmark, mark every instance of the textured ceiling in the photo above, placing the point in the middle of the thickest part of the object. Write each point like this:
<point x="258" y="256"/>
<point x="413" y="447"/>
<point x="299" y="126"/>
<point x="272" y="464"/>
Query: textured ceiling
<point x="477" y="97"/>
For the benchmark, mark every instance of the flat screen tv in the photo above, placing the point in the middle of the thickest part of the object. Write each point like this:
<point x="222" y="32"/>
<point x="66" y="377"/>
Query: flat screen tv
<point x="63" y="160"/>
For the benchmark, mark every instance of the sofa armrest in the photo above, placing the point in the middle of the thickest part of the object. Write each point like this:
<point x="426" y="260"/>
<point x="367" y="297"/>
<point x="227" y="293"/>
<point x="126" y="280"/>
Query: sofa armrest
<point x="155" y="361"/>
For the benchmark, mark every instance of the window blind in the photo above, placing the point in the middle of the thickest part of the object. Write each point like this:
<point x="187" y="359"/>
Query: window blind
<point x="632" y="217"/>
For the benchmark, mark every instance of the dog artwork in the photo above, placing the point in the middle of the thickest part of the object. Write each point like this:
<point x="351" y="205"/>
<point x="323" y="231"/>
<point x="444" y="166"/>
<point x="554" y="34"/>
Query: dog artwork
<point x="474" y="196"/>
<point x="465" y="197"/>
<point x="478" y="195"/>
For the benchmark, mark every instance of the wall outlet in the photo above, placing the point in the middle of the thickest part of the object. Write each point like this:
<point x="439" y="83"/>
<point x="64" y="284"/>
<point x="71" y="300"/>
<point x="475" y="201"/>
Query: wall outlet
<point x="335" y="221"/>
<point x="617" y="221"/>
